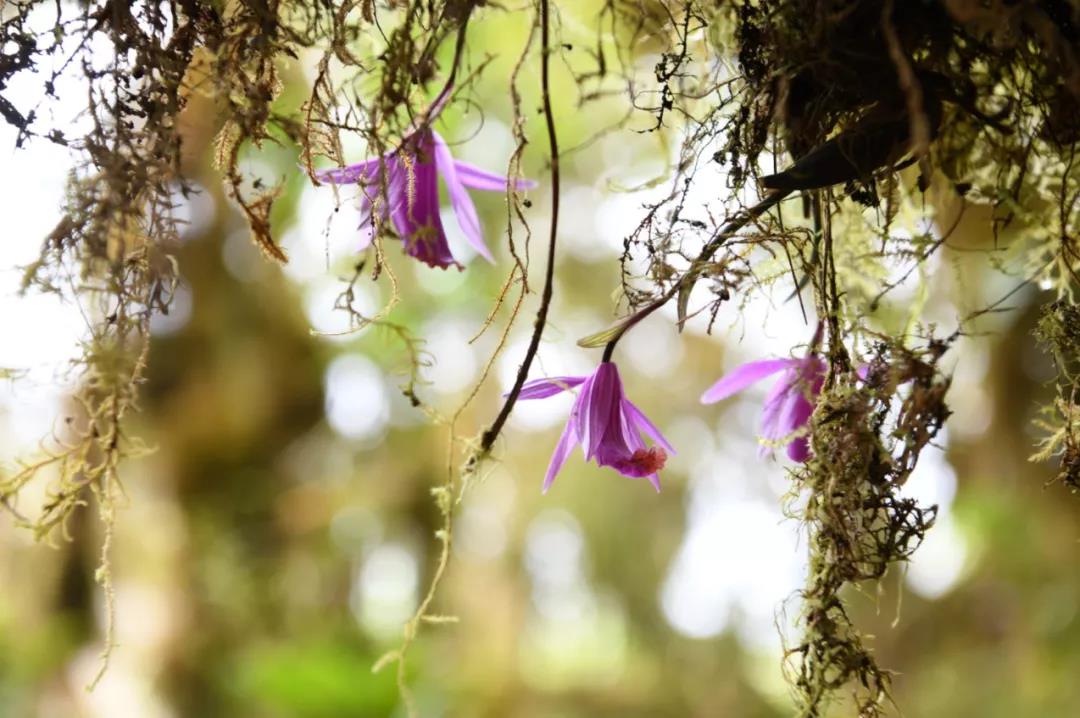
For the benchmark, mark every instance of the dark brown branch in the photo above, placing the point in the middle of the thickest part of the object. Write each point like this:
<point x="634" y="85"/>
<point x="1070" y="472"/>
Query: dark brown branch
<point x="492" y="433"/>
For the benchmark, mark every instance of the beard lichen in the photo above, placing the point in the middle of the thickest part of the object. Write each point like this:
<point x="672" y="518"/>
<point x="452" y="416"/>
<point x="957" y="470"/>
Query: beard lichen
<point x="866" y="436"/>
<point x="1058" y="332"/>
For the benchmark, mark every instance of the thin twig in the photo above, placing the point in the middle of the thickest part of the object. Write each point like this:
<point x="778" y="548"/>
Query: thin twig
<point x="689" y="277"/>
<point x="488" y="439"/>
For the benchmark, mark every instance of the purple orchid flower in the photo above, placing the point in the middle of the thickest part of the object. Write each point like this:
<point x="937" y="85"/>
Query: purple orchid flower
<point x="409" y="175"/>
<point x="789" y="403"/>
<point x="606" y="424"/>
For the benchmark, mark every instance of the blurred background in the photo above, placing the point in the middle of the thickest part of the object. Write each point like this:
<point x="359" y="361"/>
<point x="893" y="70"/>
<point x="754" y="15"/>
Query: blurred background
<point x="272" y="545"/>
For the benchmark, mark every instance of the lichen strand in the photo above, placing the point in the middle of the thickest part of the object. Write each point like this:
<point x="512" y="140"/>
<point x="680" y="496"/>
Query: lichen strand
<point x="982" y="95"/>
<point x="109" y="251"/>
<point x="1058" y="333"/>
<point x="858" y="523"/>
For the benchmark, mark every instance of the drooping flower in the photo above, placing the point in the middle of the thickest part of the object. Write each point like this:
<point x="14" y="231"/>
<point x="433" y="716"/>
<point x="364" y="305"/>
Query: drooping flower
<point x="409" y="175"/>
<point x="789" y="403"/>
<point x="606" y="424"/>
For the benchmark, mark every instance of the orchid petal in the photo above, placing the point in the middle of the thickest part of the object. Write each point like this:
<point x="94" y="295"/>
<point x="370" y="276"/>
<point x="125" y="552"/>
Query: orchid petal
<point x="630" y="434"/>
<point x="789" y="406"/>
<point x="549" y="386"/>
<point x="472" y="176"/>
<point x="743" y="376"/>
<point x="401" y="182"/>
<point x="414" y="208"/>
<point x="351" y="174"/>
<point x="642" y="422"/>
<point x="561" y="454"/>
<point x="618" y="445"/>
<point x="799" y="449"/>
<point x="796" y="414"/>
<point x="604" y="394"/>
<point x="779" y="406"/>
<point x="606" y="424"/>
<point x="460" y="199"/>
<point x="580" y="411"/>
<point x="367" y="233"/>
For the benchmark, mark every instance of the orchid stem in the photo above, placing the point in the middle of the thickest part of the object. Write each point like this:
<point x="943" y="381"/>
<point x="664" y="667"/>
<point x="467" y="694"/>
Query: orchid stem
<point x="686" y="281"/>
<point x="609" y="348"/>
<point x="489" y="436"/>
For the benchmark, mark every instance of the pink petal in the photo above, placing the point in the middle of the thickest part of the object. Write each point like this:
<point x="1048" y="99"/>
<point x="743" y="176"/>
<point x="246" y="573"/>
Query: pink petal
<point x="790" y="405"/>
<point x="549" y="386"/>
<point x="472" y="176"/>
<point x="600" y="407"/>
<point x="642" y="422"/>
<point x="798" y="414"/>
<point x="779" y="406"/>
<point x="580" y="411"/>
<point x="367" y="233"/>
<point x="561" y="454"/>
<point x="630" y="434"/>
<point x="460" y="200"/>
<point x="799" y="449"/>
<point x="360" y="172"/>
<point x="619" y="442"/>
<point x="801" y="411"/>
<point x="399" y="180"/>
<point x="743" y="376"/>
<point x="414" y="208"/>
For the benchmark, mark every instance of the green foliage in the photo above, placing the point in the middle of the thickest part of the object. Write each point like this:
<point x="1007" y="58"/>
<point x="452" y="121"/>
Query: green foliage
<point x="317" y="679"/>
